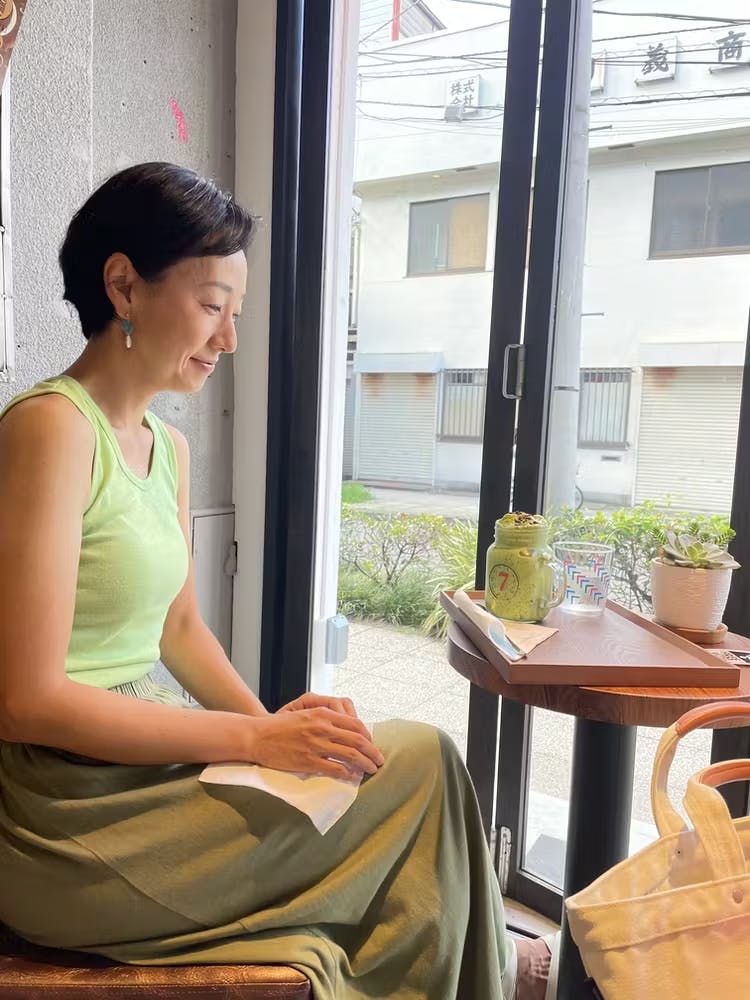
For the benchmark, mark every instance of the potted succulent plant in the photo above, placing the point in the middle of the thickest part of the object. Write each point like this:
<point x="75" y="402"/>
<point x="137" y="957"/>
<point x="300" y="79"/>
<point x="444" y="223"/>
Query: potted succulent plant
<point x="690" y="581"/>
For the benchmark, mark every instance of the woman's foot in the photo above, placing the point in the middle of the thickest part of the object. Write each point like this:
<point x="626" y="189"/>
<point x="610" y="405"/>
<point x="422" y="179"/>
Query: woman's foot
<point x="535" y="968"/>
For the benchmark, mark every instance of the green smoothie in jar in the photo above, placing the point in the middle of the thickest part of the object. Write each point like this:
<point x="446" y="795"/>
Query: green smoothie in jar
<point x="524" y="580"/>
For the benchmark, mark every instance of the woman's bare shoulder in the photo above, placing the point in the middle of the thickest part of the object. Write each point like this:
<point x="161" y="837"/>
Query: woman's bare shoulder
<point x="51" y="417"/>
<point x="46" y="433"/>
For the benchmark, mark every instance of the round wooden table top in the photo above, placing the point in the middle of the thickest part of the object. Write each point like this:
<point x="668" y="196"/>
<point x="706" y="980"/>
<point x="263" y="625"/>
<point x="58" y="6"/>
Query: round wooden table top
<point x="644" y="706"/>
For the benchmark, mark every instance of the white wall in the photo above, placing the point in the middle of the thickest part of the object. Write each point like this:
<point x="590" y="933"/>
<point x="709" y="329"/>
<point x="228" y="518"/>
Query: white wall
<point x="447" y="313"/>
<point x="458" y="465"/>
<point x="677" y="311"/>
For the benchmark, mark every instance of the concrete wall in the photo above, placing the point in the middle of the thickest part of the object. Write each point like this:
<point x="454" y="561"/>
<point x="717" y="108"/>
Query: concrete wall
<point x="91" y="89"/>
<point x="458" y="465"/>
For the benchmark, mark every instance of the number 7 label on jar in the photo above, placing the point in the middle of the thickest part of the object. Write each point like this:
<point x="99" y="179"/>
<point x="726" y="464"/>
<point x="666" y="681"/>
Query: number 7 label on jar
<point x="503" y="580"/>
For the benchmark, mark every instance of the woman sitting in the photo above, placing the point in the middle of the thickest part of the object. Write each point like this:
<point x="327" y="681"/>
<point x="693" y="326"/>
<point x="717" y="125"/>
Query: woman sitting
<point x="109" y="843"/>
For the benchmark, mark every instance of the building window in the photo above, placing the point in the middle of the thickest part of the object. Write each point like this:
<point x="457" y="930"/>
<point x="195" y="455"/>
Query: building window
<point x="604" y="407"/>
<point x="448" y="235"/>
<point x="701" y="211"/>
<point x="464" y="395"/>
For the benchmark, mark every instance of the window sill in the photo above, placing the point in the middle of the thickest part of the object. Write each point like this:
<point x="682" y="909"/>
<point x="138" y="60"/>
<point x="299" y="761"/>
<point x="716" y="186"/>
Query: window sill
<point x="451" y="273"/>
<point x="706" y="252"/>
<point x="593" y="446"/>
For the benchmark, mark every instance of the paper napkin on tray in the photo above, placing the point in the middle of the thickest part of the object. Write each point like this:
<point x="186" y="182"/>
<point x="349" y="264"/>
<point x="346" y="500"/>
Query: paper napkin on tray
<point x="323" y="799"/>
<point x="527" y="637"/>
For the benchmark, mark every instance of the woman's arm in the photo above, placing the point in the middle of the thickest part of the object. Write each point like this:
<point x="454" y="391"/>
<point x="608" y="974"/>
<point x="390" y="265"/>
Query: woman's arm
<point x="46" y="453"/>
<point x="189" y="649"/>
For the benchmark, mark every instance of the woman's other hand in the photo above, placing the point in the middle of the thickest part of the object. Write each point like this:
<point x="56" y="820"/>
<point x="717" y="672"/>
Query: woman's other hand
<point x="316" y="740"/>
<point x="312" y="700"/>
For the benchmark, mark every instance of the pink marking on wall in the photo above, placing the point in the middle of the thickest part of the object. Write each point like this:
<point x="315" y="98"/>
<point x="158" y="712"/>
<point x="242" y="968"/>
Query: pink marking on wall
<point x="179" y="117"/>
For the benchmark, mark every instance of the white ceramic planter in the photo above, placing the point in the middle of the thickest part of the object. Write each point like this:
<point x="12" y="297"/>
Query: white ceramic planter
<point x="689" y="598"/>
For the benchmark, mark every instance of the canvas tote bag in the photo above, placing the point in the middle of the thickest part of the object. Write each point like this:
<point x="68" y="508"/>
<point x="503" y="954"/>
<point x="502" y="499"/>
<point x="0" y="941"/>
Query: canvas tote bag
<point x="673" y="921"/>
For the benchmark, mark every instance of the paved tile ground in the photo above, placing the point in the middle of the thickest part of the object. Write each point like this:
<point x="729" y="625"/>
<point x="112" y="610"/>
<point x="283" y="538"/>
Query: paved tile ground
<point x="461" y="506"/>
<point x="399" y="673"/>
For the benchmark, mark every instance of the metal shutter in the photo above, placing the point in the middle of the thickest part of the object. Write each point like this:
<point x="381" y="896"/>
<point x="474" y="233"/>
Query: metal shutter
<point x="397" y="428"/>
<point x="688" y="437"/>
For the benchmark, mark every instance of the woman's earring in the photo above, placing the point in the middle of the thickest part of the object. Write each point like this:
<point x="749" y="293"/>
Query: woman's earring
<point x="127" y="329"/>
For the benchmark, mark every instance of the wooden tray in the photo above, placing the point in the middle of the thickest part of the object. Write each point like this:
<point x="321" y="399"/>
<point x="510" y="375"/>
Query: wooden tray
<point x="616" y="649"/>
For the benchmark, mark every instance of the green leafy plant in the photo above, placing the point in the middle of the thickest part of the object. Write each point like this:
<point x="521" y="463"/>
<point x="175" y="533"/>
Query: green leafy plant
<point x="355" y="493"/>
<point x="384" y="547"/>
<point x="692" y="553"/>
<point x="637" y="534"/>
<point x="457" y="554"/>
<point x="406" y="602"/>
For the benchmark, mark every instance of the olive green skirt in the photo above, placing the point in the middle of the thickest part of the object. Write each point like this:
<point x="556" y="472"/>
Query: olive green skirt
<point x="147" y="865"/>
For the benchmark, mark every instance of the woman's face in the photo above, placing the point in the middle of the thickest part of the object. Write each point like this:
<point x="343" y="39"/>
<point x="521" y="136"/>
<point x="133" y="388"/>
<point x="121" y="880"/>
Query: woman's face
<point x="185" y="321"/>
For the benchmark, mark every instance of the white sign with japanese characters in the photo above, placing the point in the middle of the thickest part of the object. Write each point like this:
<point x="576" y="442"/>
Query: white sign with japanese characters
<point x="658" y="59"/>
<point x="463" y="93"/>
<point x="732" y="50"/>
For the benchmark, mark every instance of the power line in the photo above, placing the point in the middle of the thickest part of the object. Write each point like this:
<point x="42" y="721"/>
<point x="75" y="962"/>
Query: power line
<point x="669" y="17"/>
<point x="613" y="102"/>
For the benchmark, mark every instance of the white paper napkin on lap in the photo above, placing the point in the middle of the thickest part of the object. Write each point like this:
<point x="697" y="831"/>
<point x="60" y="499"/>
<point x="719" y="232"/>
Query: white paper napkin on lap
<point x="323" y="799"/>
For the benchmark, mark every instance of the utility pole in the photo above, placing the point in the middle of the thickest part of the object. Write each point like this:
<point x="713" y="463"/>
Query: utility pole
<point x="562" y="448"/>
<point x="396" y="21"/>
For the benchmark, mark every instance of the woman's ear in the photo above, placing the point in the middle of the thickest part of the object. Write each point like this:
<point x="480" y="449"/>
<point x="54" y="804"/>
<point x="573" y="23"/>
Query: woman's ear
<point x="119" y="276"/>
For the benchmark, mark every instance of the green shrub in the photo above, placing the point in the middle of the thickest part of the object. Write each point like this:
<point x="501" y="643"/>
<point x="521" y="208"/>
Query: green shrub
<point x="354" y="493"/>
<point x="408" y="601"/>
<point x="637" y="534"/>
<point x="394" y="567"/>
<point x="457" y="554"/>
<point x="384" y="547"/>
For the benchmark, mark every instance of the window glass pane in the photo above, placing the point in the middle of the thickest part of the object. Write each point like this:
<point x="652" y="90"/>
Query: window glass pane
<point x="680" y="198"/>
<point x="729" y="206"/>
<point x="467" y="247"/>
<point x="428" y="237"/>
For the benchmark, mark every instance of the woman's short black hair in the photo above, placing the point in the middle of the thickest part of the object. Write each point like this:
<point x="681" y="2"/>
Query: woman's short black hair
<point x="155" y="213"/>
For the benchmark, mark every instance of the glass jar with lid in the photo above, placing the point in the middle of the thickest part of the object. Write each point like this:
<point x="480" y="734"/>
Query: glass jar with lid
<point x="524" y="580"/>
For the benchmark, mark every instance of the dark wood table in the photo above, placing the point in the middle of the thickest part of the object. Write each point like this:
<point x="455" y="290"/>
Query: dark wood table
<point x="606" y="721"/>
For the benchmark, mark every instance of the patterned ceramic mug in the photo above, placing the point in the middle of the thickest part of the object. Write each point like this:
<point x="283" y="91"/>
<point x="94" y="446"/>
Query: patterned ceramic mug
<point x="588" y="570"/>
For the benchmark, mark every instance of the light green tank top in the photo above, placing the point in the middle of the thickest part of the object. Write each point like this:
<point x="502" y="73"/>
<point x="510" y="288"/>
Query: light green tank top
<point x="134" y="558"/>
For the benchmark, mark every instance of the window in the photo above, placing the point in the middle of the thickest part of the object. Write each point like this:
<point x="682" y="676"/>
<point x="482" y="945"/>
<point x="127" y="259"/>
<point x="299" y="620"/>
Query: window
<point x="604" y="407"/>
<point x="464" y="394"/>
<point x="702" y="210"/>
<point x="448" y="235"/>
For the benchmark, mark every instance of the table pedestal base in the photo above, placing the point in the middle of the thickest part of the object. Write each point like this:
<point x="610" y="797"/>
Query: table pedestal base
<point x="601" y="787"/>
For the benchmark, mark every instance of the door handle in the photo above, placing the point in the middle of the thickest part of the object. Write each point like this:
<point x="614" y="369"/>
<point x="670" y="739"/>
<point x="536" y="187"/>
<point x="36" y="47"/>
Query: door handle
<point x="520" y="371"/>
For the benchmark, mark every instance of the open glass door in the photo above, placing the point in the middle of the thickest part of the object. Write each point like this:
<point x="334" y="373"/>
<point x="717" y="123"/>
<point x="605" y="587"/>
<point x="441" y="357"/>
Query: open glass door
<point x="644" y="367"/>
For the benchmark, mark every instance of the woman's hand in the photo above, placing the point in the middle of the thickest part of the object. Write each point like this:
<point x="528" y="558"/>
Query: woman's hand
<point x="312" y="700"/>
<point x="314" y="741"/>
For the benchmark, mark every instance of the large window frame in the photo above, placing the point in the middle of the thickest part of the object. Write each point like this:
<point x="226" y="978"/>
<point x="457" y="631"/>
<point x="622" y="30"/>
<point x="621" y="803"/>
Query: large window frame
<point x="709" y="208"/>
